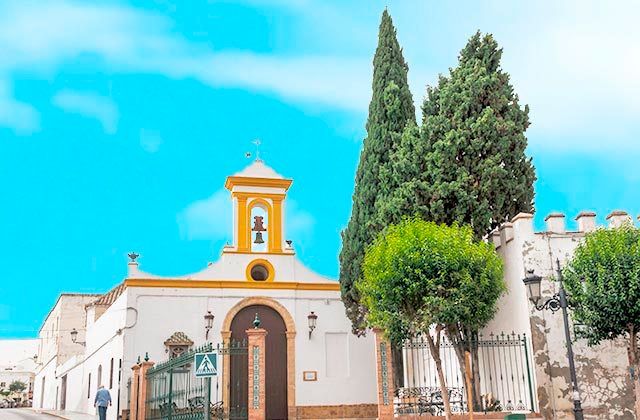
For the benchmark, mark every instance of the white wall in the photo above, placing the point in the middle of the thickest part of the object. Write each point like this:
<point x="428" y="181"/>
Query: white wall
<point x="163" y="311"/>
<point x="357" y="383"/>
<point x="45" y="398"/>
<point x="104" y="343"/>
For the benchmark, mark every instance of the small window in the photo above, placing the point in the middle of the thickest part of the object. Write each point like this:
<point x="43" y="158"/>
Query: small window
<point x="111" y="375"/>
<point x="99" y="382"/>
<point x="89" y="387"/>
<point x="259" y="272"/>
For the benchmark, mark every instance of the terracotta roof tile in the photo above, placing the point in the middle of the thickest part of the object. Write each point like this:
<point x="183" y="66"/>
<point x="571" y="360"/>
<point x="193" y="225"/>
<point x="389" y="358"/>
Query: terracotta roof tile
<point x="111" y="296"/>
<point x="178" y="339"/>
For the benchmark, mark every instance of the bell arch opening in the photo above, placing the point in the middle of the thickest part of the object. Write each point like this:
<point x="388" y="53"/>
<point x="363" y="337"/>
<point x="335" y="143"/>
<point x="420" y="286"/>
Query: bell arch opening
<point x="259" y="225"/>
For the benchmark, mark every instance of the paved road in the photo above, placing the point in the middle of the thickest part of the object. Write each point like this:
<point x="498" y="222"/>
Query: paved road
<point x="22" y="414"/>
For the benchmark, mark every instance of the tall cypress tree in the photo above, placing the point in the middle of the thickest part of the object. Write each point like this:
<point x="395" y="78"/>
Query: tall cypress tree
<point x="390" y="109"/>
<point x="467" y="162"/>
<point x="477" y="170"/>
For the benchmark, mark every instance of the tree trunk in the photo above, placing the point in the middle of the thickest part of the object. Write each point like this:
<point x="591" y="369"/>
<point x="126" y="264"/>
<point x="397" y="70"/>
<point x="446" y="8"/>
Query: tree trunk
<point x="435" y="353"/>
<point x="475" y="366"/>
<point x="398" y="365"/>
<point x="634" y="366"/>
<point x="462" y="343"/>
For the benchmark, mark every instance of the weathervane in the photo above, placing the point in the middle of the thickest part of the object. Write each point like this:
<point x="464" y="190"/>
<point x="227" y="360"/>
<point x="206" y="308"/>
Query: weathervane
<point x="248" y="154"/>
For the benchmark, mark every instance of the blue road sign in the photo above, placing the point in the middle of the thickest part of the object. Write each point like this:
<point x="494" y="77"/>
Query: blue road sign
<point x="206" y="364"/>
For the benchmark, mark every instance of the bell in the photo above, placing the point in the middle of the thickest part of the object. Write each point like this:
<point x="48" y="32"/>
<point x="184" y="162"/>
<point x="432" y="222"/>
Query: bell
<point x="259" y="239"/>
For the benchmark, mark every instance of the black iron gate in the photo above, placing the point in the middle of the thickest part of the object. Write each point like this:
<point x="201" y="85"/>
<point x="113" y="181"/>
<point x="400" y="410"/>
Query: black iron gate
<point x="238" y="387"/>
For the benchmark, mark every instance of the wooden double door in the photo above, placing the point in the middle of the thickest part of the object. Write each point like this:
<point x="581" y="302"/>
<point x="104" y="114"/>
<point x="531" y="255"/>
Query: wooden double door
<point x="275" y="358"/>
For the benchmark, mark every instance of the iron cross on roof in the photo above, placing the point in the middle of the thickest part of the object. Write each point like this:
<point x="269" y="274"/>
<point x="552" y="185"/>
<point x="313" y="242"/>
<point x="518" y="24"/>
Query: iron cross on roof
<point x="257" y="144"/>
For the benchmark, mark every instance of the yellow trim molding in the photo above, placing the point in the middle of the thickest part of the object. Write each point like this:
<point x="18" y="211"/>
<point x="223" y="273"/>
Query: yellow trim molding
<point x="246" y="181"/>
<point x="268" y="266"/>
<point x="234" y="251"/>
<point x="247" y="195"/>
<point x="230" y="284"/>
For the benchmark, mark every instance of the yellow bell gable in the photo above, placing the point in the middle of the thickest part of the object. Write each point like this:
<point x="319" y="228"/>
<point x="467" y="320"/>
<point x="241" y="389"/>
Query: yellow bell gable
<point x="258" y="193"/>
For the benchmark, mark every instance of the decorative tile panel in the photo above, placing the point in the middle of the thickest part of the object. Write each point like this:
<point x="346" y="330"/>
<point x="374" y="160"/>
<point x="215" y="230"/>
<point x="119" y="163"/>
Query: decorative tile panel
<point x="384" y="373"/>
<point x="256" y="376"/>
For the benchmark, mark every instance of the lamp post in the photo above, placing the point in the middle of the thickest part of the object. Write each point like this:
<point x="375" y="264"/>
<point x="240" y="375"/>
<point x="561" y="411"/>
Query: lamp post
<point x="554" y="303"/>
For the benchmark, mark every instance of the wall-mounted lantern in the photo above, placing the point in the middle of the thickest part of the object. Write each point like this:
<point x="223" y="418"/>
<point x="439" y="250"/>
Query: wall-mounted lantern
<point x="208" y="323"/>
<point x="312" y="318"/>
<point x="74" y="337"/>
<point x="532" y="283"/>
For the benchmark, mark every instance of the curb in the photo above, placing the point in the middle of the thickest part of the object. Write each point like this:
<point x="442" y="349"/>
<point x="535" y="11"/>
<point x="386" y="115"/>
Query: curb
<point x="52" y="414"/>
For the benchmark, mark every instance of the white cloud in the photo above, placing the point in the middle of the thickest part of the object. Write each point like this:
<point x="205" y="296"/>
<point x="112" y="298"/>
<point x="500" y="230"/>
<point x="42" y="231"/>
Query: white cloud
<point x="89" y="105"/>
<point x="38" y="38"/>
<point x="298" y="223"/>
<point x="150" y="140"/>
<point x="579" y="75"/>
<point x="209" y="218"/>
<point x="337" y="81"/>
<point x="574" y="62"/>
<point x="21" y="117"/>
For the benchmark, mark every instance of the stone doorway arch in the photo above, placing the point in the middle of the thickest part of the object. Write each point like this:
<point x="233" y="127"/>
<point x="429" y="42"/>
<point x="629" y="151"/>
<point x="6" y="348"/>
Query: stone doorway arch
<point x="290" y="334"/>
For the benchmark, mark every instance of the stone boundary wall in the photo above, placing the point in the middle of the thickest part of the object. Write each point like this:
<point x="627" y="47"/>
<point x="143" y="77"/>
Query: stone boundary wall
<point x="602" y="371"/>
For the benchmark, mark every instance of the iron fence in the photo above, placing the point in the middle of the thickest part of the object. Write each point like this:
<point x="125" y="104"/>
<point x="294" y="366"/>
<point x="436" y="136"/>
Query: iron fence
<point x="174" y="392"/>
<point x="503" y="370"/>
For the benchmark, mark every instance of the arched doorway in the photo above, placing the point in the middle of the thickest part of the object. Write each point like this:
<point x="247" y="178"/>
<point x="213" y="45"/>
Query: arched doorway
<point x="275" y="354"/>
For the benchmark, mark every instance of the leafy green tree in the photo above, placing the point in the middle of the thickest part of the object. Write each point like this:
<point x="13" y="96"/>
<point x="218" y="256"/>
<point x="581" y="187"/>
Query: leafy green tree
<point x="424" y="278"/>
<point x="603" y="280"/>
<point x="17" y="386"/>
<point x="390" y="109"/>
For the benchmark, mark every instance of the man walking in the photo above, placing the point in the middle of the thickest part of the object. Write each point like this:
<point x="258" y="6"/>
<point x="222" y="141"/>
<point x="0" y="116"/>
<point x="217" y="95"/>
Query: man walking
<point x="102" y="401"/>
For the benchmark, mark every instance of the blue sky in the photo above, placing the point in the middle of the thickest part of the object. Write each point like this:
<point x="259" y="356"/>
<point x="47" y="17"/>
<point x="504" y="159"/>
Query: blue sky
<point x="119" y="122"/>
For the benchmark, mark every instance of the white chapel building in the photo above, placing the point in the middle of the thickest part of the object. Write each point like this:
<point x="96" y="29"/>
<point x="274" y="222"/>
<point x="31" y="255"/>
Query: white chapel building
<point x="314" y="365"/>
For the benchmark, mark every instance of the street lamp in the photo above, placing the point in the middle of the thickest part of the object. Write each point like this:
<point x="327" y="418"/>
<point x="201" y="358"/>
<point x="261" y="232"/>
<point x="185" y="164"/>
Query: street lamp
<point x="555" y="303"/>
<point x="208" y="319"/>
<point x="312" y="318"/>
<point x="74" y="337"/>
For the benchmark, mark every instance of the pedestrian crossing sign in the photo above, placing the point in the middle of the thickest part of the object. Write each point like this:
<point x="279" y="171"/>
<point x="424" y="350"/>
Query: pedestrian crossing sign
<point x="206" y="364"/>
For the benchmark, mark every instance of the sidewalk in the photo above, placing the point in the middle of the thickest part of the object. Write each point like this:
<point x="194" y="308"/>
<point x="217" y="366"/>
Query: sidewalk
<point x="68" y="415"/>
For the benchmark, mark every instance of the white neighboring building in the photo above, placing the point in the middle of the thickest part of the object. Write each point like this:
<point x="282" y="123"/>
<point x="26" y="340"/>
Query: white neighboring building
<point x="56" y="347"/>
<point x="18" y="363"/>
<point x="325" y="371"/>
